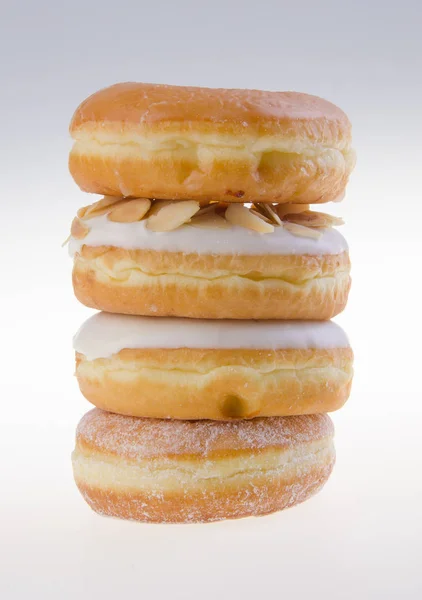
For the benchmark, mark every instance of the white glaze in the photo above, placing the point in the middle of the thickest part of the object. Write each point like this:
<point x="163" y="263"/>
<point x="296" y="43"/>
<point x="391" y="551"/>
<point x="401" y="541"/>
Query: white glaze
<point x="105" y="334"/>
<point x="234" y="240"/>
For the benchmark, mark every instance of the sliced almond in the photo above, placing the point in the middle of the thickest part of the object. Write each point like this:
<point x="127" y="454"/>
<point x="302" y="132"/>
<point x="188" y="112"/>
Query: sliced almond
<point x="290" y="209"/>
<point x="302" y="231"/>
<point x="157" y="205"/>
<point x="270" y="212"/>
<point x="98" y="208"/>
<point x="130" y="211"/>
<point x="209" y="221"/>
<point x="67" y="240"/>
<point x="78" y="229"/>
<point x="173" y="215"/>
<point x="261" y="216"/>
<point x="205" y="210"/>
<point x="311" y="218"/>
<point x="237" y="214"/>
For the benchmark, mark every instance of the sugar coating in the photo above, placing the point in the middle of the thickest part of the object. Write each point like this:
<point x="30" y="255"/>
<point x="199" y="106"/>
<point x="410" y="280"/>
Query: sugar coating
<point x="169" y="489"/>
<point x="250" y="501"/>
<point x="135" y="438"/>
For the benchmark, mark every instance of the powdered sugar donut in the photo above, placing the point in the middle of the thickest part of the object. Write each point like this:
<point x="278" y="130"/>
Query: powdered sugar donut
<point x="197" y="471"/>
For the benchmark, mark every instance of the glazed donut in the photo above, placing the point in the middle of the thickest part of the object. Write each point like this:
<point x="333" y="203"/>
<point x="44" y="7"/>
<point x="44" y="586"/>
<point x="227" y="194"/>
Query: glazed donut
<point x="221" y="370"/>
<point x="198" y="471"/>
<point x="171" y="142"/>
<point x="214" y="272"/>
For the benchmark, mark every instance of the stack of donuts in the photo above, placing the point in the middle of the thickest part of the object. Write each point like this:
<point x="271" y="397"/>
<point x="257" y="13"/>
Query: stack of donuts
<point x="213" y="362"/>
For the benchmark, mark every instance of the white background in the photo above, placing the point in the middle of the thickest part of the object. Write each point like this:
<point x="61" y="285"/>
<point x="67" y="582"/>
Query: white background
<point x="361" y="536"/>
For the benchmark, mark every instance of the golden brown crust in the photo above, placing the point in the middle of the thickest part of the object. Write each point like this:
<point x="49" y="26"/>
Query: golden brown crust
<point x="189" y="383"/>
<point x="235" y="145"/>
<point x="237" y="177"/>
<point x="177" y="108"/>
<point x="258" y="499"/>
<point x="198" y="471"/>
<point x="153" y="283"/>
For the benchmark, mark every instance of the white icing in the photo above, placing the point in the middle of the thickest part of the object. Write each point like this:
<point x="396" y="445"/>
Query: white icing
<point x="106" y="334"/>
<point x="188" y="239"/>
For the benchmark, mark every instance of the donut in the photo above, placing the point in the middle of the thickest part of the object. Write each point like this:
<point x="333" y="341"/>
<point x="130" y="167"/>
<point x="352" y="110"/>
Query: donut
<point x="214" y="262"/>
<point x="221" y="370"/>
<point x="174" y="142"/>
<point x="197" y="471"/>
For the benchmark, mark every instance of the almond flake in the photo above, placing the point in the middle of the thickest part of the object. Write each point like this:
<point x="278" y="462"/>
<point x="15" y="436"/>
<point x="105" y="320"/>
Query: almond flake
<point x="290" y="209"/>
<point x="311" y="218"/>
<point x="261" y="216"/>
<point x="237" y="214"/>
<point x="78" y="229"/>
<point x="173" y="215"/>
<point x="270" y="212"/>
<point x="99" y="208"/>
<point x="157" y="205"/>
<point x="209" y="208"/>
<point x="130" y="211"/>
<point x="302" y="231"/>
<point x="209" y="221"/>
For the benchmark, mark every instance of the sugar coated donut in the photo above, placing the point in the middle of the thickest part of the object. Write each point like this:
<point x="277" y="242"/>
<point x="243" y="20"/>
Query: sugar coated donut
<point x="194" y="369"/>
<point x="197" y="471"/>
<point x="171" y="142"/>
<point x="178" y="259"/>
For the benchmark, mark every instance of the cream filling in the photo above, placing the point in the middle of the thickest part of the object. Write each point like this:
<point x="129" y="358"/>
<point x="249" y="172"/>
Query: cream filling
<point x="234" y="240"/>
<point x="94" y="141"/>
<point x="105" y="334"/>
<point x="131" y="372"/>
<point x="166" y="474"/>
<point x="128" y="271"/>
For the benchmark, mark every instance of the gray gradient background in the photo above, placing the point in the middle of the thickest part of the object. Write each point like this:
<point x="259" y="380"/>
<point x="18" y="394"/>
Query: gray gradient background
<point x="361" y="537"/>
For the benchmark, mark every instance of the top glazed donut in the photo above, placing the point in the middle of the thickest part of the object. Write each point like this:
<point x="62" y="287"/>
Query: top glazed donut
<point x="171" y="142"/>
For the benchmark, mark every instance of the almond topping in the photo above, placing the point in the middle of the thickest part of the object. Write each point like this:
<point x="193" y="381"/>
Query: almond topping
<point x="302" y="231"/>
<point x="209" y="221"/>
<point x="268" y="210"/>
<point x="130" y="211"/>
<point x="289" y="209"/>
<point x="157" y="205"/>
<point x="167" y="215"/>
<point x="98" y="208"/>
<point x="209" y="208"/>
<point x="78" y="229"/>
<point x="261" y="216"/>
<point x="313" y="219"/>
<point x="237" y="214"/>
<point x="172" y="215"/>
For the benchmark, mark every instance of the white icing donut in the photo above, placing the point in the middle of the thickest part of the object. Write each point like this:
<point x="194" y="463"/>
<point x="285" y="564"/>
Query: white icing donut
<point x="106" y="334"/>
